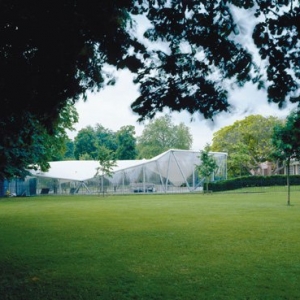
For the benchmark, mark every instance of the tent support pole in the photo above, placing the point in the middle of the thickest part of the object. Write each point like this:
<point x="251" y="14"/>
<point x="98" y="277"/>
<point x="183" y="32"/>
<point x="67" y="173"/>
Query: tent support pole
<point x="168" y="169"/>
<point x="187" y="184"/>
<point x="161" y="180"/>
<point x="84" y="185"/>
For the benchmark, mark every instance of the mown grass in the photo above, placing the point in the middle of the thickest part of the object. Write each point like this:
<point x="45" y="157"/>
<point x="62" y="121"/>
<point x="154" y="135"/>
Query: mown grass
<point x="150" y="247"/>
<point x="265" y="189"/>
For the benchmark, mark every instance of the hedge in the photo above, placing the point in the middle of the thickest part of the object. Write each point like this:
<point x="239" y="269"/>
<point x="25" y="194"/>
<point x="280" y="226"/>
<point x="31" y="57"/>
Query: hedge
<point x="253" y="181"/>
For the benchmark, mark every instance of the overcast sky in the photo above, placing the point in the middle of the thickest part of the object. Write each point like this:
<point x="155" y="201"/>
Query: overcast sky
<point x="111" y="108"/>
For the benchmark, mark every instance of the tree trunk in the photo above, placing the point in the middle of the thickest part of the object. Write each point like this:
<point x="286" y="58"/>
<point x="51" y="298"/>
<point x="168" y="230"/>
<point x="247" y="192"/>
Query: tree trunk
<point x="288" y="181"/>
<point x="102" y="184"/>
<point x="277" y="168"/>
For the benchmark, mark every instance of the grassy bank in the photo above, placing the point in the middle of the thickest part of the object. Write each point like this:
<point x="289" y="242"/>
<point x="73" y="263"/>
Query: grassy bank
<point x="150" y="247"/>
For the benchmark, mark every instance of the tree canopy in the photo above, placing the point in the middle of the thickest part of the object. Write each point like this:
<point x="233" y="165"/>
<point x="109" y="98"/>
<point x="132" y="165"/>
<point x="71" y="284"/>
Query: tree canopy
<point x="162" y="134"/>
<point x="205" y="56"/>
<point x="121" y="144"/>
<point x="126" y="143"/>
<point x="248" y="143"/>
<point x="33" y="145"/>
<point x="52" y="52"/>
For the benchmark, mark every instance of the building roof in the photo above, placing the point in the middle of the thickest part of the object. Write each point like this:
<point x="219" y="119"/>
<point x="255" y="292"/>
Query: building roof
<point x="176" y="165"/>
<point x="80" y="170"/>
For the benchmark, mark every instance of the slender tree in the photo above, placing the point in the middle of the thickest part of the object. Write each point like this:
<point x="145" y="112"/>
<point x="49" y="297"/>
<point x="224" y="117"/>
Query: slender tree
<point x="107" y="162"/>
<point x="286" y="140"/>
<point x="207" y="165"/>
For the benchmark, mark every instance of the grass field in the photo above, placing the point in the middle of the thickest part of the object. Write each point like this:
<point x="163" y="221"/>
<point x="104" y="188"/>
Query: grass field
<point x="219" y="246"/>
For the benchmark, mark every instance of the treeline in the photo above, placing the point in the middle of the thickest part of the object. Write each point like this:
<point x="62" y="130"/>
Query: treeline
<point x="84" y="147"/>
<point x="158" y="136"/>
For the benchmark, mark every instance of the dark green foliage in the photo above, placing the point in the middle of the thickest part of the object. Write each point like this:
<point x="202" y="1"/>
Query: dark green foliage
<point x="52" y="52"/>
<point x="277" y="38"/>
<point x="106" y="137"/>
<point x="69" y="153"/>
<point x="33" y="145"/>
<point x="121" y="143"/>
<point x="84" y="143"/>
<point x="286" y="138"/>
<point x="126" y="142"/>
<point x="253" y="181"/>
<point x="181" y="79"/>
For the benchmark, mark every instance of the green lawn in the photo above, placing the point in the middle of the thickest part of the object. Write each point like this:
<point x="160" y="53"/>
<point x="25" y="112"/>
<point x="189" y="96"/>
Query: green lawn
<point x="193" y="246"/>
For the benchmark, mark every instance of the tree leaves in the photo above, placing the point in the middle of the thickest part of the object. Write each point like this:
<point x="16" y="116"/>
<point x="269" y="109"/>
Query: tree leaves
<point x="161" y="135"/>
<point x="277" y="38"/>
<point x="248" y="143"/>
<point x="33" y="146"/>
<point x="209" y="29"/>
<point x="201" y="55"/>
<point x="286" y="137"/>
<point x="122" y="143"/>
<point x="52" y="52"/>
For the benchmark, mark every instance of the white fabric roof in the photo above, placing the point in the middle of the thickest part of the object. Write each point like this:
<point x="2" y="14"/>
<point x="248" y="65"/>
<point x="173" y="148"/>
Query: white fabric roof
<point x="80" y="170"/>
<point x="176" y="165"/>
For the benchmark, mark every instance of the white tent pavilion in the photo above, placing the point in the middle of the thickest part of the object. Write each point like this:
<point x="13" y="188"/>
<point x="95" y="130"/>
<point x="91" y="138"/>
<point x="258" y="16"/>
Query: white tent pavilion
<point x="171" y="171"/>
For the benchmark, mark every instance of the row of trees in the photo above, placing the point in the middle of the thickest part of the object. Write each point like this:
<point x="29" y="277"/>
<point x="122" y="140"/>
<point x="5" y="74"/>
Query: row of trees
<point x="159" y="135"/>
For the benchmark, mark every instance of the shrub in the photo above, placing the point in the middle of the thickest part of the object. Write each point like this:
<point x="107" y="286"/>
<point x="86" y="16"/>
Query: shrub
<point x="253" y="181"/>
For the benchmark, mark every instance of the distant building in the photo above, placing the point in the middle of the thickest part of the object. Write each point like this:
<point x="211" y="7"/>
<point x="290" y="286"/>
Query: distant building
<point x="294" y="168"/>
